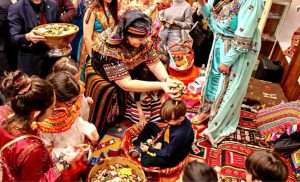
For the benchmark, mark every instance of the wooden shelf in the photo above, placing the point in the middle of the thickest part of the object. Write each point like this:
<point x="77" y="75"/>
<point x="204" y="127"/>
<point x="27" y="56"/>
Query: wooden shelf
<point x="267" y="37"/>
<point x="283" y="2"/>
<point x="275" y="17"/>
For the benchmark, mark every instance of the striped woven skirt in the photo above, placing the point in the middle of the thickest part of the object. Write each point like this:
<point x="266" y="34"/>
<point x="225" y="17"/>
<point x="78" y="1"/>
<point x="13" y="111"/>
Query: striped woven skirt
<point x="111" y="103"/>
<point x="106" y="106"/>
<point x="150" y="103"/>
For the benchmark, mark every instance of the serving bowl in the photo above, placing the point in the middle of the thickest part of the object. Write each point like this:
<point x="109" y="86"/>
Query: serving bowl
<point x="110" y="161"/>
<point x="58" y="37"/>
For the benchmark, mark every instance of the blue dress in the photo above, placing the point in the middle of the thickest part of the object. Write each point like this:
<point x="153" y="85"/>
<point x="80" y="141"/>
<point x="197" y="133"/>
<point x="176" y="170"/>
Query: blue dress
<point x="236" y="44"/>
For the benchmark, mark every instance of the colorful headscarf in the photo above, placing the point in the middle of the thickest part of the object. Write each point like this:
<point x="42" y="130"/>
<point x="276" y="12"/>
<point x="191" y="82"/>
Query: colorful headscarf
<point x="62" y="118"/>
<point x="133" y="22"/>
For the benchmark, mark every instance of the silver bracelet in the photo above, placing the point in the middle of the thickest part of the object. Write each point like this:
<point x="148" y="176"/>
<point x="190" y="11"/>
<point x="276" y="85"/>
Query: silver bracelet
<point x="165" y="79"/>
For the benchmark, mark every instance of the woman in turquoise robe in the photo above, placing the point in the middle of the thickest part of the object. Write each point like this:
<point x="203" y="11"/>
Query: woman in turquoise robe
<point x="233" y="56"/>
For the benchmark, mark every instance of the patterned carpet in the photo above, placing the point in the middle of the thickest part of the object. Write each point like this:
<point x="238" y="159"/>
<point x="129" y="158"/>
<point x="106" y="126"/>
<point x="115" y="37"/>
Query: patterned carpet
<point x="231" y="153"/>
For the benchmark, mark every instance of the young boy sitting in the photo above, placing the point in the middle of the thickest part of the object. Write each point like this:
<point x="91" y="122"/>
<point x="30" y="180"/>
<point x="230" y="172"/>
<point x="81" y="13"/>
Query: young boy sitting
<point x="168" y="144"/>
<point x="264" y="166"/>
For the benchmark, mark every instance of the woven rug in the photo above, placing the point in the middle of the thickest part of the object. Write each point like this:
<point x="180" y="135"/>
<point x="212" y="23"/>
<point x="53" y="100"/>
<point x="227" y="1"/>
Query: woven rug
<point x="232" y="152"/>
<point x="281" y="119"/>
<point x="230" y="155"/>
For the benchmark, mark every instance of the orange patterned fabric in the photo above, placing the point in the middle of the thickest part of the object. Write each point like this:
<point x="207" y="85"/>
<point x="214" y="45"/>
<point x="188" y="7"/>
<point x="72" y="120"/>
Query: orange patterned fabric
<point x="62" y="118"/>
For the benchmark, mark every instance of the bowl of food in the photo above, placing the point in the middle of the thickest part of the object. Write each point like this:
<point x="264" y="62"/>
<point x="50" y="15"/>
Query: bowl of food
<point x="181" y="59"/>
<point x="117" y="169"/>
<point x="58" y="37"/>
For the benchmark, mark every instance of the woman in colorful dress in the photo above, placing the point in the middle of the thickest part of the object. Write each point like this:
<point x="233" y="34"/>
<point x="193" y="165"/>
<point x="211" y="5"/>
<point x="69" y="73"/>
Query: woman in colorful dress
<point x="234" y="53"/>
<point x="129" y="73"/>
<point x="24" y="157"/>
<point x="98" y="17"/>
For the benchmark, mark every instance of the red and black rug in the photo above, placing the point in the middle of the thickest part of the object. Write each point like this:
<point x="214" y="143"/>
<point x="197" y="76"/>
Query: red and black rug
<point x="232" y="152"/>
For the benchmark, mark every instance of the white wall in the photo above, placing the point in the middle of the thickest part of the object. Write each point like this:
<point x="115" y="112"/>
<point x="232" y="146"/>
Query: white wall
<point x="289" y="25"/>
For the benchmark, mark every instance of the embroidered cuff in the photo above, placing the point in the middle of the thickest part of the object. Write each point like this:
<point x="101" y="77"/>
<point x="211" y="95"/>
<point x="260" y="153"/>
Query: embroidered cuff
<point x="115" y="72"/>
<point x="152" y="61"/>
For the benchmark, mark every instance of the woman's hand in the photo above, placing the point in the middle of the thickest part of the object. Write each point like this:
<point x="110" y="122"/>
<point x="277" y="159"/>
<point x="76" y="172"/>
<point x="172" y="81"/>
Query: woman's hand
<point x="34" y="37"/>
<point x="178" y="82"/>
<point x="177" y="88"/>
<point x="149" y="141"/>
<point x="90" y="100"/>
<point x="168" y="86"/>
<point x="144" y="147"/>
<point x="157" y="146"/>
<point x="70" y="158"/>
<point x="224" y="69"/>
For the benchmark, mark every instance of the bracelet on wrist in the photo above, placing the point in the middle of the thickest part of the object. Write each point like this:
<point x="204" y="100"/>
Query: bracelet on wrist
<point x="60" y="160"/>
<point x="165" y="79"/>
<point x="64" y="163"/>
